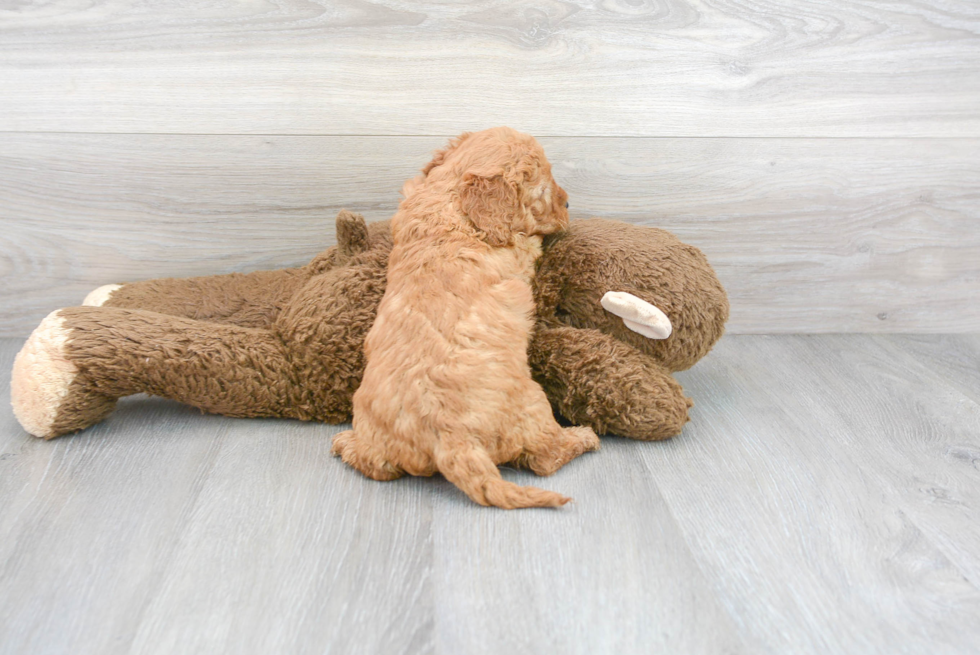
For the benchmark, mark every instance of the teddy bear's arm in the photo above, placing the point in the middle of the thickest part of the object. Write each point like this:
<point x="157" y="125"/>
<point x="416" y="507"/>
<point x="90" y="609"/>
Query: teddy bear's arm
<point x="595" y="380"/>
<point x="244" y="299"/>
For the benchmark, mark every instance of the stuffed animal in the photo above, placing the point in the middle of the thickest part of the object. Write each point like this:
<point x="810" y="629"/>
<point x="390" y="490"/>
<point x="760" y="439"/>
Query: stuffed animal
<point x="619" y="309"/>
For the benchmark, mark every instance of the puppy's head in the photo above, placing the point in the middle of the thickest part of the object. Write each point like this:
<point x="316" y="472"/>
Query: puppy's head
<point x="503" y="183"/>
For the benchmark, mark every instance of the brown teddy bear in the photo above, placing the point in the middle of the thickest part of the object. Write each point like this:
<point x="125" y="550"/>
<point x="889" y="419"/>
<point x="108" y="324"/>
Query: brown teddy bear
<point x="288" y="343"/>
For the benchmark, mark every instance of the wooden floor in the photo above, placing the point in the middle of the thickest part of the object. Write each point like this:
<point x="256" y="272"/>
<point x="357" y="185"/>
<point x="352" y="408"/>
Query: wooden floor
<point x="825" y="498"/>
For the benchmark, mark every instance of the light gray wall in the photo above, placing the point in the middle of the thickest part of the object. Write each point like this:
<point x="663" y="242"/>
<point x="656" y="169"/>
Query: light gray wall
<point x="825" y="156"/>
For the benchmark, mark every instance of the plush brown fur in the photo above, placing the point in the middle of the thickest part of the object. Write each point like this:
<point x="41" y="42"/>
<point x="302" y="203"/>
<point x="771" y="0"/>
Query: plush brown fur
<point x="447" y="386"/>
<point x="290" y="342"/>
<point x="595" y="370"/>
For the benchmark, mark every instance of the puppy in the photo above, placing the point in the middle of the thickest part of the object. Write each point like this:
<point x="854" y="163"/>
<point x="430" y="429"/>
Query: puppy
<point x="447" y="387"/>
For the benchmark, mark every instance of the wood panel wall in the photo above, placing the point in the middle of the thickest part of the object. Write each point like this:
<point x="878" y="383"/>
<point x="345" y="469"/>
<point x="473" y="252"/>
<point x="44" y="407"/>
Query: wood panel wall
<point x="826" y="156"/>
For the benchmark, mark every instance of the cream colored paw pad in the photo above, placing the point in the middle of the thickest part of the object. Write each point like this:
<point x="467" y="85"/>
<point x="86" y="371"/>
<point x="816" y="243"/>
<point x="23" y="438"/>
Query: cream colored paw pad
<point x="41" y="377"/>
<point x="98" y="296"/>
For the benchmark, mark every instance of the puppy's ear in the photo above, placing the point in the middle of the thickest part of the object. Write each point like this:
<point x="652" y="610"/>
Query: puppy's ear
<point x="491" y="203"/>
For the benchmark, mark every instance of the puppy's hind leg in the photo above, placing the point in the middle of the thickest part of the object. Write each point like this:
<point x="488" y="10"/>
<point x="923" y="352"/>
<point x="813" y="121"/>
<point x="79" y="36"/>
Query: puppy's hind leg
<point x="546" y="445"/>
<point x="551" y="450"/>
<point x="472" y="470"/>
<point x="359" y="454"/>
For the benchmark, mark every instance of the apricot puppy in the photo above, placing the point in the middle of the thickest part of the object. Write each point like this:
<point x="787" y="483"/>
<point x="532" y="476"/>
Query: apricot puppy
<point x="447" y="387"/>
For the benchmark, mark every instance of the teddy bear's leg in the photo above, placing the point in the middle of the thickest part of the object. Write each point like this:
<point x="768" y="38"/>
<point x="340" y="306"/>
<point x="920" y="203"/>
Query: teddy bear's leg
<point x="81" y="359"/>
<point x="595" y="380"/>
<point x="45" y="392"/>
<point x="249" y="299"/>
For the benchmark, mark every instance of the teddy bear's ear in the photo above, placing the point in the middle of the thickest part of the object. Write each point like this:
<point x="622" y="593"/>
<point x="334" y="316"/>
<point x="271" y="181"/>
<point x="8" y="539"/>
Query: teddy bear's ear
<point x="491" y="203"/>
<point x="637" y="314"/>
<point x="352" y="236"/>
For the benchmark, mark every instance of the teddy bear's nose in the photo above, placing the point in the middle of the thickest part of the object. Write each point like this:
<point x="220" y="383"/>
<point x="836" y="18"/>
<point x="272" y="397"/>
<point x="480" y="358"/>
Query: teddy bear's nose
<point x="566" y="205"/>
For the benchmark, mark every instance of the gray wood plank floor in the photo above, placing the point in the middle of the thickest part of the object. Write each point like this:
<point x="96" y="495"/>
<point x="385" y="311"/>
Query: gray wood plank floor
<point x="824" y="498"/>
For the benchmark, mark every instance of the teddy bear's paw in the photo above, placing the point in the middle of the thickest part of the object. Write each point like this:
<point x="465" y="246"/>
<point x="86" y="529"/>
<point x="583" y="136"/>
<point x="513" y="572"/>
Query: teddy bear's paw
<point x="98" y="297"/>
<point x="661" y="416"/>
<point x="45" y="398"/>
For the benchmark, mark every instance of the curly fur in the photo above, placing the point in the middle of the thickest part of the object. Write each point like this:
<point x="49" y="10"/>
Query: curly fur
<point x="447" y="385"/>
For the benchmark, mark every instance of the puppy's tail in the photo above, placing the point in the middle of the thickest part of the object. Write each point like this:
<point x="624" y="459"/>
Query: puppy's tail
<point x="471" y="469"/>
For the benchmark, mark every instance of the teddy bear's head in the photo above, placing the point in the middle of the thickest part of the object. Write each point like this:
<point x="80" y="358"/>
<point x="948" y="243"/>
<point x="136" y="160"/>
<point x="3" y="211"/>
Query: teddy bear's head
<point x="643" y="265"/>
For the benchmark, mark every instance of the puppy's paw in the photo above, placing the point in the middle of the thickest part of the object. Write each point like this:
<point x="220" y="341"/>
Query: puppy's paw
<point x="340" y="442"/>
<point x="371" y="464"/>
<point x="584" y="435"/>
<point x="568" y="443"/>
